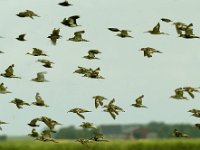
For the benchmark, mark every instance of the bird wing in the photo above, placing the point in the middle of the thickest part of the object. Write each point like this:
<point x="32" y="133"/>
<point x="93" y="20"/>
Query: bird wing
<point x="96" y="103"/>
<point x="80" y="115"/>
<point x="156" y="29"/>
<point x="114" y="29"/>
<point x="191" y="94"/>
<point x="112" y="115"/>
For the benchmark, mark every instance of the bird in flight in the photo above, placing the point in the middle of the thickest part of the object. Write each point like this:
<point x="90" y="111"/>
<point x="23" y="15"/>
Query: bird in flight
<point x="65" y="3"/>
<point x="78" y="37"/>
<point x="40" y="77"/>
<point x="122" y="33"/>
<point x="46" y="63"/>
<point x="27" y="13"/>
<point x="79" y="111"/>
<point x="3" y="89"/>
<point x="21" y="37"/>
<point x="99" y="100"/>
<point x="19" y="103"/>
<point x="177" y="133"/>
<point x="148" y="51"/>
<point x="179" y="94"/>
<point x="71" y="21"/>
<point x="166" y="20"/>
<point x="156" y="30"/>
<point x="37" y="52"/>
<point x="54" y="35"/>
<point x="39" y="101"/>
<point x="138" y="103"/>
<point x="91" y="54"/>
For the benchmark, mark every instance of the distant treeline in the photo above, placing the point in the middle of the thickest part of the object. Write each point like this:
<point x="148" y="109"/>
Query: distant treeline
<point x="158" y="129"/>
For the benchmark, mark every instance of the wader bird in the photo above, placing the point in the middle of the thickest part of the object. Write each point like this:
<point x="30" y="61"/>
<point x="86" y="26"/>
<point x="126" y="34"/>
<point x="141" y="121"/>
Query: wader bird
<point x="65" y="3"/>
<point x="33" y="122"/>
<point x="37" y="52"/>
<point x="177" y="133"/>
<point x="40" y="77"/>
<point x="148" y="51"/>
<point x="27" y="13"/>
<point x="34" y="133"/>
<point x="156" y="30"/>
<point x="19" y="103"/>
<point x="179" y="94"/>
<point x="182" y="27"/>
<point x="9" y="72"/>
<point x="71" y="21"/>
<point x="92" y="53"/>
<point x="79" y="111"/>
<point x="21" y="37"/>
<point x="46" y="63"/>
<point x="122" y="33"/>
<point x="54" y="36"/>
<point x="50" y="123"/>
<point x="99" y="100"/>
<point x="78" y="37"/>
<point x="3" y="89"/>
<point x="138" y="103"/>
<point x="39" y="101"/>
<point x="87" y="125"/>
<point x="45" y="136"/>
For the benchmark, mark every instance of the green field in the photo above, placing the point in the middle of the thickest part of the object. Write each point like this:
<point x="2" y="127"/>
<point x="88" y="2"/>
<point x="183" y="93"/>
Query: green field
<point x="176" y="144"/>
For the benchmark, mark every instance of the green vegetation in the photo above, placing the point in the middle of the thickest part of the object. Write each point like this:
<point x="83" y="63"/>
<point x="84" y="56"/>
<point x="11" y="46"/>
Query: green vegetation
<point x="179" y="144"/>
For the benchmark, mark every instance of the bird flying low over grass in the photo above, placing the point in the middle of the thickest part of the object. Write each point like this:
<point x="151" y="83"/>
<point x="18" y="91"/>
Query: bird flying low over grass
<point x="65" y="3"/>
<point x="177" y="133"/>
<point x="46" y="136"/>
<point x="84" y="142"/>
<point x="39" y="101"/>
<point x="78" y="37"/>
<point x="156" y="30"/>
<point x="21" y="37"/>
<point x="138" y="103"/>
<point x="37" y="52"/>
<point x="34" y="133"/>
<point x="2" y="122"/>
<point x="79" y="111"/>
<point x="87" y="125"/>
<point x="3" y="89"/>
<point x="98" y="137"/>
<point x="179" y="94"/>
<point x="71" y="21"/>
<point x="46" y="63"/>
<point x="91" y="54"/>
<point x="40" y="77"/>
<point x="9" y="72"/>
<point x="148" y="51"/>
<point x="50" y="123"/>
<point x="112" y="109"/>
<point x="54" y="36"/>
<point x="19" y="103"/>
<point x="99" y="100"/>
<point x="27" y="13"/>
<point x="122" y="33"/>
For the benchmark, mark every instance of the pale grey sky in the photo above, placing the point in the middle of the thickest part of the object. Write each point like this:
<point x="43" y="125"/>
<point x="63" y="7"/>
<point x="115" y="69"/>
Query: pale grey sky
<point x="127" y="73"/>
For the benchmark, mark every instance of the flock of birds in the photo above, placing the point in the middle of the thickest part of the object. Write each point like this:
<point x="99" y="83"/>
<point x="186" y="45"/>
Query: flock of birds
<point x="183" y="30"/>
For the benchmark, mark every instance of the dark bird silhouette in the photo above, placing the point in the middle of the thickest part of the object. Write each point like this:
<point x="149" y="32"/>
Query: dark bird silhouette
<point x="148" y="51"/>
<point x="79" y="111"/>
<point x="78" y="37"/>
<point x="28" y="13"/>
<point x="194" y="110"/>
<point x="21" y="37"/>
<point x="190" y="90"/>
<point x="81" y="70"/>
<point x="182" y="27"/>
<point x="166" y="20"/>
<point x="197" y="125"/>
<point x="122" y="33"/>
<point x="71" y="21"/>
<point x="33" y="122"/>
<point x="99" y="100"/>
<point x="98" y="137"/>
<point x="156" y="30"/>
<point x="39" y="101"/>
<point x="65" y="3"/>
<point x="37" y="52"/>
<point x="40" y="77"/>
<point x="92" y="53"/>
<point x="54" y="36"/>
<point x="138" y="103"/>
<point x="19" y="103"/>
<point x="2" y="122"/>
<point x="87" y="125"/>
<point x="50" y="123"/>
<point x="34" y="133"/>
<point x="177" y="133"/>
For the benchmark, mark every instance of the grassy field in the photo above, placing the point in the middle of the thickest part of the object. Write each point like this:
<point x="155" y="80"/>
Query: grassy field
<point x="176" y="144"/>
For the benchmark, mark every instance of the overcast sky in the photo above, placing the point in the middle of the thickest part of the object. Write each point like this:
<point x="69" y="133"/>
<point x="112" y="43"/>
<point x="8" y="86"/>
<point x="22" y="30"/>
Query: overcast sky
<point x="128" y="74"/>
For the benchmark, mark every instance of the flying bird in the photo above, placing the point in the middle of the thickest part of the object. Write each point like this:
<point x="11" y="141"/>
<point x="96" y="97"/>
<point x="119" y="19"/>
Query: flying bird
<point x="37" y="52"/>
<point x="177" y="133"/>
<point x="40" y="77"/>
<point x="65" y="3"/>
<point x="54" y="36"/>
<point x="138" y="103"/>
<point x="87" y="125"/>
<point x="91" y="54"/>
<point x="21" y="37"/>
<point x="46" y="63"/>
<point x="27" y="13"/>
<point x="179" y="94"/>
<point x="190" y="90"/>
<point x="34" y="133"/>
<point x="71" y="21"/>
<point x="78" y="37"/>
<point x="2" y="122"/>
<point x="39" y="101"/>
<point x="19" y="103"/>
<point x="33" y="122"/>
<point x="9" y="72"/>
<point x="122" y="33"/>
<point x="79" y="111"/>
<point x="3" y="89"/>
<point x="148" y="51"/>
<point x="166" y="20"/>
<point x="156" y="30"/>
<point x="99" y="100"/>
